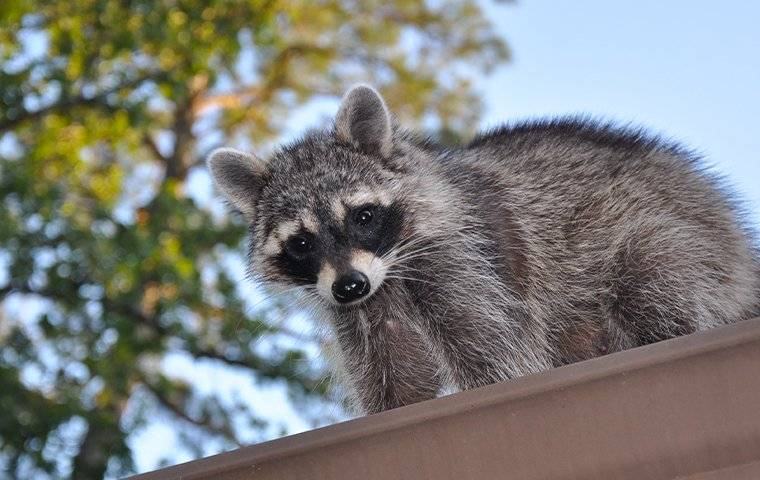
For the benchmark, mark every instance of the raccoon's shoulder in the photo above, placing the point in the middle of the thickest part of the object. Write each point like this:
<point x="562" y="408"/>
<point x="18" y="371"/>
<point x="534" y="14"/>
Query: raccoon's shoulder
<point x="571" y="132"/>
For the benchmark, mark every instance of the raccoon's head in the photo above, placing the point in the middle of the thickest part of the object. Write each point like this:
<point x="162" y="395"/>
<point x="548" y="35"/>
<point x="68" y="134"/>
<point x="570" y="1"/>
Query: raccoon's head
<point x="327" y="212"/>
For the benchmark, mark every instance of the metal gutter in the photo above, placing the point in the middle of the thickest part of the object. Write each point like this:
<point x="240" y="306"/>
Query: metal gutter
<point x="687" y="408"/>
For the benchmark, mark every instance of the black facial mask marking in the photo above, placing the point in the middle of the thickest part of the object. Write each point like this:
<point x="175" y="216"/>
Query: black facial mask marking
<point x="370" y="227"/>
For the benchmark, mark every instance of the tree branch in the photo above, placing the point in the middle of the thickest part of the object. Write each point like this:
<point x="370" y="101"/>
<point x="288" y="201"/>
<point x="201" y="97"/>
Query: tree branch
<point x="151" y="322"/>
<point x="179" y="412"/>
<point x="43" y="292"/>
<point x="227" y="100"/>
<point x="214" y="355"/>
<point x="150" y="143"/>
<point x="258" y="93"/>
<point x="91" y="461"/>
<point x="77" y="100"/>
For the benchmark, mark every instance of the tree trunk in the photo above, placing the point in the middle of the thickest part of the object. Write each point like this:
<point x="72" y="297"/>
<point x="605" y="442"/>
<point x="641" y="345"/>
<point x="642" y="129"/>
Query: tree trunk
<point x="103" y="439"/>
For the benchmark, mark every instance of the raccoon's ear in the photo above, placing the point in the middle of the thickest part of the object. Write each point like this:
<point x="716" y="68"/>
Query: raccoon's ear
<point x="239" y="176"/>
<point x="363" y="121"/>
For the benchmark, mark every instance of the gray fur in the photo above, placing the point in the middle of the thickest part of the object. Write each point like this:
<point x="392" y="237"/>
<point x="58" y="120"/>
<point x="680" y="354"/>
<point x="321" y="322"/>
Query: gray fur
<point x="363" y="121"/>
<point x="239" y="176"/>
<point x="536" y="245"/>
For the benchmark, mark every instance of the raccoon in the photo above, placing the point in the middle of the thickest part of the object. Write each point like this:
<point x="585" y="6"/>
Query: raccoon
<point x="533" y="246"/>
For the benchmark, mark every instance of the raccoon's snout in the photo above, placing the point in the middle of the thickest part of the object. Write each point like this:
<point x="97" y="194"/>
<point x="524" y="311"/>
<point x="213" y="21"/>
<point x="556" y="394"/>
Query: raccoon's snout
<point x="352" y="282"/>
<point x="351" y="286"/>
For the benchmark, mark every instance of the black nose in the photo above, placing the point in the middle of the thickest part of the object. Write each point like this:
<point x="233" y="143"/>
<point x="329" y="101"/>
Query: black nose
<point x="351" y="286"/>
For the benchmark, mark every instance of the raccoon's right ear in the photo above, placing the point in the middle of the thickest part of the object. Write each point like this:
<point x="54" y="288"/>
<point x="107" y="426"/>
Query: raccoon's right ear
<point x="239" y="176"/>
<point x="364" y="122"/>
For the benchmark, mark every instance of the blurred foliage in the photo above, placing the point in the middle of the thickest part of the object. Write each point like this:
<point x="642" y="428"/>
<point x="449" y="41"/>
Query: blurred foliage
<point x="107" y="109"/>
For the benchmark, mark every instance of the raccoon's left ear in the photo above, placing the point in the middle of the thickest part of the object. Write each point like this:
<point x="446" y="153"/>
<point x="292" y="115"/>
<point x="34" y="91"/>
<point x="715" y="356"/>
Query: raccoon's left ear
<point x="364" y="122"/>
<point x="239" y="176"/>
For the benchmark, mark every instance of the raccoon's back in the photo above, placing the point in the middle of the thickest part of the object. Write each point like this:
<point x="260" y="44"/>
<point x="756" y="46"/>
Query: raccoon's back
<point x="589" y="203"/>
<point x="582" y="153"/>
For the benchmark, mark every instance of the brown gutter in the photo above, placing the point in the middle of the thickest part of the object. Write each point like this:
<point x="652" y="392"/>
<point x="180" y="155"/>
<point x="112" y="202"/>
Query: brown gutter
<point x="687" y="408"/>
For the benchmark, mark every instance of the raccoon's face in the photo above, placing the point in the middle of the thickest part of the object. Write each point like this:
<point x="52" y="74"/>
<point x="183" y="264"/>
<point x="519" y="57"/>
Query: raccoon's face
<point x="339" y="242"/>
<point x="326" y="212"/>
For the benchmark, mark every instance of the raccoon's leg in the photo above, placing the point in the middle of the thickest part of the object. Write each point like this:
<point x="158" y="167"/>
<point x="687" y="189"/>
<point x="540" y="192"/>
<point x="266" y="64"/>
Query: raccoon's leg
<point x="648" y="316"/>
<point x="653" y="301"/>
<point x="387" y="362"/>
<point x="586" y="329"/>
<point x="679" y="273"/>
<point x="483" y="346"/>
<point x="616" y="337"/>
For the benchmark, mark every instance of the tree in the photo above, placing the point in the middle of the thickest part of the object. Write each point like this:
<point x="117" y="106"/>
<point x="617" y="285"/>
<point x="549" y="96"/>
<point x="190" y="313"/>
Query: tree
<point x="107" y="110"/>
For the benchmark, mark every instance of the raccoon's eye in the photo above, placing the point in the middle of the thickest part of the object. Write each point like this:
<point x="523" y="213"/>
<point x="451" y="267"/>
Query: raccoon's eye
<point x="364" y="217"/>
<point x="298" y="246"/>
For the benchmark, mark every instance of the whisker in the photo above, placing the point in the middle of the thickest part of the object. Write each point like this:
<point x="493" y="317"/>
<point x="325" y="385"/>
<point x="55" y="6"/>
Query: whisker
<point x="404" y="244"/>
<point x="279" y="293"/>
<point x="410" y="257"/>
<point x="412" y="252"/>
<point x="401" y="254"/>
<point x="412" y="279"/>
